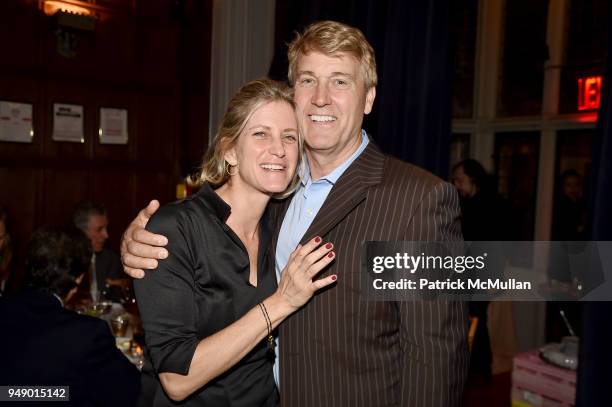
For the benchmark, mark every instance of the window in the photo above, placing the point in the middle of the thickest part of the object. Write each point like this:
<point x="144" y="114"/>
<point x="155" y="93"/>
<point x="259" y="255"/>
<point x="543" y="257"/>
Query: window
<point x="524" y="53"/>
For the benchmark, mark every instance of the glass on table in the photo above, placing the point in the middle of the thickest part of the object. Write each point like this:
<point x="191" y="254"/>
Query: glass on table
<point x="119" y="325"/>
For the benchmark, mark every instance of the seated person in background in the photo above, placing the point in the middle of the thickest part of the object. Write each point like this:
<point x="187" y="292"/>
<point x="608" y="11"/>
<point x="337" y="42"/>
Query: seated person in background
<point x="92" y="219"/>
<point x="6" y="252"/>
<point x="43" y="344"/>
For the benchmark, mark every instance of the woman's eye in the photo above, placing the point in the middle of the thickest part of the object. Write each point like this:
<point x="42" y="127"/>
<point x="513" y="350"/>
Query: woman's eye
<point x="259" y="134"/>
<point x="290" y="138"/>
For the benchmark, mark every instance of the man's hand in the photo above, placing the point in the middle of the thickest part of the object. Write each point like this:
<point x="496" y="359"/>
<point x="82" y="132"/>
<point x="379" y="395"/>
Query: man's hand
<point x="140" y="248"/>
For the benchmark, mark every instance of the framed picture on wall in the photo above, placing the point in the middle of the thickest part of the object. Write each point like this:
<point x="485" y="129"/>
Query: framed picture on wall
<point x="113" y="126"/>
<point x="68" y="123"/>
<point x="16" y="122"/>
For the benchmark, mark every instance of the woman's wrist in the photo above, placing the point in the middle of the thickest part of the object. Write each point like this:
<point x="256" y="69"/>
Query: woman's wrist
<point x="278" y="308"/>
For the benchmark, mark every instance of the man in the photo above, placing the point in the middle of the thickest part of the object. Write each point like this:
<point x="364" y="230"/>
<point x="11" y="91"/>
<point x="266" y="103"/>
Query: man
<point x="44" y="344"/>
<point x="342" y="349"/>
<point x="92" y="219"/>
<point x="485" y="217"/>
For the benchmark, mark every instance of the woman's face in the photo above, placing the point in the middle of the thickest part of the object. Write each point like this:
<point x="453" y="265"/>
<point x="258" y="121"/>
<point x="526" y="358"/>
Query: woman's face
<point x="266" y="151"/>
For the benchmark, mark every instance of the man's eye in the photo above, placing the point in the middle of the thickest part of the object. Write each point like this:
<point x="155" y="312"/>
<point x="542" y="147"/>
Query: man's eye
<point x="306" y="81"/>
<point x="341" y="82"/>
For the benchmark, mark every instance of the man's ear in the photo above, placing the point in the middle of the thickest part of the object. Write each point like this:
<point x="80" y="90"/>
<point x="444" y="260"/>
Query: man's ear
<point x="369" y="102"/>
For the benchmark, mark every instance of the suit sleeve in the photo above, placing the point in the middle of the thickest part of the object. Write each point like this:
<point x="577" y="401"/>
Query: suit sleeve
<point x="115" y="381"/>
<point x="433" y="332"/>
<point x="166" y="297"/>
<point x="115" y="269"/>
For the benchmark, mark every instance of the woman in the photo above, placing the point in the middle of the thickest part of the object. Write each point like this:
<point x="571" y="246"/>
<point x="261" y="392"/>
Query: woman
<point x="209" y="313"/>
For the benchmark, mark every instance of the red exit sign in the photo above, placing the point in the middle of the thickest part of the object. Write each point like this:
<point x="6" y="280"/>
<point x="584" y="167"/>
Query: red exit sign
<point x="589" y="93"/>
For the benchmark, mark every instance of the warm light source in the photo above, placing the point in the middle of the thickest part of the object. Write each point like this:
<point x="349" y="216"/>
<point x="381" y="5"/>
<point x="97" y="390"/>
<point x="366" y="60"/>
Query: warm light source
<point x="70" y="20"/>
<point x="51" y="7"/>
<point x="589" y="93"/>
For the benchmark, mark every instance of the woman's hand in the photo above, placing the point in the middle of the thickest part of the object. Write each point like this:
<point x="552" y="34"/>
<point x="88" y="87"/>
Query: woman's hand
<point x="297" y="284"/>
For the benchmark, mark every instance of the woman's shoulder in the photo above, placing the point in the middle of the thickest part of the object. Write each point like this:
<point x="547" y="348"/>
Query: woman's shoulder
<point x="184" y="213"/>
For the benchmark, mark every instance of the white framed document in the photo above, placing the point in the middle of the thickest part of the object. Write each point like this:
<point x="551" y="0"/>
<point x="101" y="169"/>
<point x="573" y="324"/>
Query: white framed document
<point x="16" y="122"/>
<point x="113" y="126"/>
<point x="68" y="123"/>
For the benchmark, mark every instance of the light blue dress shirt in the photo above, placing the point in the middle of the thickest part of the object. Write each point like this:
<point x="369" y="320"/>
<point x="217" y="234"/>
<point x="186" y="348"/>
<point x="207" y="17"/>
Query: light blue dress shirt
<point x="304" y="206"/>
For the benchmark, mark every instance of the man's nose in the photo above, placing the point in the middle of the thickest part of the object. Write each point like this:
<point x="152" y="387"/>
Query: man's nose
<point x="321" y="95"/>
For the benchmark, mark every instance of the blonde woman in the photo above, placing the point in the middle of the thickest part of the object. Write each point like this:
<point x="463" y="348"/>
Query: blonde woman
<point x="208" y="317"/>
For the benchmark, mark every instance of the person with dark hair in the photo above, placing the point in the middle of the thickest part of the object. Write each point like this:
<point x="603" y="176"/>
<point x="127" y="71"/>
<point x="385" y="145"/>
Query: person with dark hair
<point x="484" y="217"/>
<point x="484" y="214"/>
<point x="6" y="250"/>
<point x="44" y="344"/>
<point x="569" y="214"/>
<point x="569" y="227"/>
<point x="106" y="274"/>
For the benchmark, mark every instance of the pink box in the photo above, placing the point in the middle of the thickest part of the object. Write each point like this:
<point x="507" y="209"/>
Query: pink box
<point x="526" y="398"/>
<point x="533" y="374"/>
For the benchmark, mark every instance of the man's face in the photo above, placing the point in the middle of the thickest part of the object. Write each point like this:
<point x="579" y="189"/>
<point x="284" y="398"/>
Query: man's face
<point x="464" y="184"/>
<point x="572" y="187"/>
<point x="96" y="231"/>
<point x="331" y="100"/>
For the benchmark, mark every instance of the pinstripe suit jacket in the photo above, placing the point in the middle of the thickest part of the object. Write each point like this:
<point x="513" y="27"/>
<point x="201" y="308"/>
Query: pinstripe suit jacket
<point x="343" y="350"/>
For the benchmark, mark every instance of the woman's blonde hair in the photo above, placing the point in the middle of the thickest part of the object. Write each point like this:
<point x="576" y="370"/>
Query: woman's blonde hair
<point x="331" y="38"/>
<point x="250" y="97"/>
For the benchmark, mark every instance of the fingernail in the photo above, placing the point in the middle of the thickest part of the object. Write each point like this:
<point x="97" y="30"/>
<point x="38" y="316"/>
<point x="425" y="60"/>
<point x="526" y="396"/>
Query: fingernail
<point x="331" y="255"/>
<point x="162" y="254"/>
<point x="317" y="239"/>
<point x="329" y="246"/>
<point x="334" y="278"/>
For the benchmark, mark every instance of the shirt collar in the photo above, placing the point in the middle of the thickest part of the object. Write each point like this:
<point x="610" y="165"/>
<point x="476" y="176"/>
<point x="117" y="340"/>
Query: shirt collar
<point x="333" y="176"/>
<point x="59" y="299"/>
<point x="221" y="209"/>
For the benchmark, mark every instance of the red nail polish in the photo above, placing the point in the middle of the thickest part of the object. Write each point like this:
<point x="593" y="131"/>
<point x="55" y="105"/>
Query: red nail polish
<point x="331" y="255"/>
<point x="334" y="278"/>
<point x="317" y="239"/>
<point x="329" y="246"/>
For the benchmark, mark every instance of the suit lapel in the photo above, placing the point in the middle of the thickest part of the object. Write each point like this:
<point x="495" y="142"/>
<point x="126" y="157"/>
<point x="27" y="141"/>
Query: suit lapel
<point x="348" y="192"/>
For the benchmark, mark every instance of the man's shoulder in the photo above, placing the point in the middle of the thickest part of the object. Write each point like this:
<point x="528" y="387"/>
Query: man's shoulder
<point x="402" y="174"/>
<point x="107" y="255"/>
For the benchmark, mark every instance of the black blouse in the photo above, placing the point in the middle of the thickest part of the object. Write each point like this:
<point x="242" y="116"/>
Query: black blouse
<point x="202" y="287"/>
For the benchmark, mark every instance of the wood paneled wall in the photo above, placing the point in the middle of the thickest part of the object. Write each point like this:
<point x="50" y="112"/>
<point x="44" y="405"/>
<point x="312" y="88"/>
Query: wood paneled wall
<point x="151" y="57"/>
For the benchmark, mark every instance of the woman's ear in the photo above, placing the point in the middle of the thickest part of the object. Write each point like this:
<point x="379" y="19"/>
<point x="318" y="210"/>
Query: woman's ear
<point x="230" y="157"/>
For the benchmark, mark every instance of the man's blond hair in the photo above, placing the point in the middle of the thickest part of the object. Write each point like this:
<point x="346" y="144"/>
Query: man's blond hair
<point x="332" y="38"/>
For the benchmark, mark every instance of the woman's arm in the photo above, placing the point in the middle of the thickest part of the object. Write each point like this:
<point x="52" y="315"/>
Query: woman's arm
<point x="166" y="299"/>
<point x="219" y="352"/>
